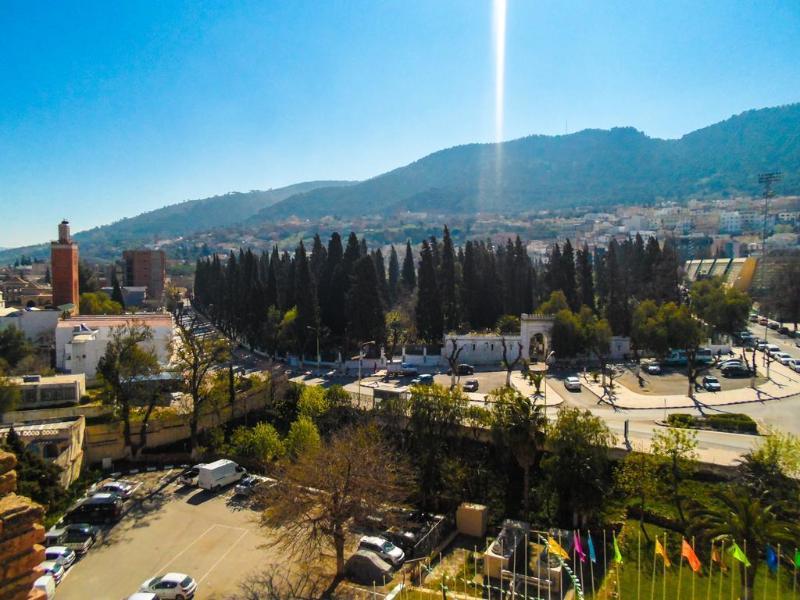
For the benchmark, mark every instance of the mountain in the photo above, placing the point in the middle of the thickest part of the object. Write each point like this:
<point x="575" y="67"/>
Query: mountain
<point x="175" y="220"/>
<point x="591" y="167"/>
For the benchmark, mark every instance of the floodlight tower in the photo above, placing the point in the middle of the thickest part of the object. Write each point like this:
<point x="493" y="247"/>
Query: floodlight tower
<point x="767" y="180"/>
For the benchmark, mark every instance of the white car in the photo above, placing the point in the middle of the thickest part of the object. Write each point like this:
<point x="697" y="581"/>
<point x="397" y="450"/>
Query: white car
<point x="573" y="384"/>
<point x="54" y="568"/>
<point x="385" y="549"/>
<point x="62" y="554"/>
<point x="772" y="349"/>
<point x="142" y="596"/>
<point x="172" y="586"/>
<point x="794" y="364"/>
<point x="46" y="585"/>
<point x="782" y="357"/>
<point x="122" y="489"/>
<point x="653" y="369"/>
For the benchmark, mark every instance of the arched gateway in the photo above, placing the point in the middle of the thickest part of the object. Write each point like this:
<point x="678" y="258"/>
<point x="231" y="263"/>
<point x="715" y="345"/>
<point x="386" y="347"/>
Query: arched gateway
<point x="535" y="335"/>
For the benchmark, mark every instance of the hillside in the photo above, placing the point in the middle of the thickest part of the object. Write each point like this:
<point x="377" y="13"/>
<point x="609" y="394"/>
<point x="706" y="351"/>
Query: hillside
<point x="175" y="220"/>
<point x="590" y="167"/>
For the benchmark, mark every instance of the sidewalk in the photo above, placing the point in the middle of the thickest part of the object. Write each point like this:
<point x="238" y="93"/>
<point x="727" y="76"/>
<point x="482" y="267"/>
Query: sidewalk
<point x="521" y="384"/>
<point x="783" y="383"/>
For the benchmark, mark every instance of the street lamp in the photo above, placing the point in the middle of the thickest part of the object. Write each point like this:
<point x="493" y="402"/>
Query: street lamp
<point x="319" y="360"/>
<point x="360" y="359"/>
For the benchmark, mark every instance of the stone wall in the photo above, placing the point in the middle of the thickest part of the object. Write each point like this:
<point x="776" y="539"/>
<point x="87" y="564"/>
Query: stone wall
<point x="21" y="534"/>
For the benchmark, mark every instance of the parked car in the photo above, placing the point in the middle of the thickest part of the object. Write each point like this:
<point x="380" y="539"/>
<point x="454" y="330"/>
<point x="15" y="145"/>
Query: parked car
<point x="736" y="371"/>
<point x="754" y="318"/>
<point x="653" y="369"/>
<point x="424" y="379"/>
<point x="572" y="383"/>
<point x="189" y="476"/>
<point x="53" y="568"/>
<point x="248" y="485"/>
<point x="772" y="349"/>
<point x="75" y="536"/>
<point x="218" y="474"/>
<point x="783" y="330"/>
<point x="782" y="357"/>
<point x="171" y="586"/>
<point x="463" y="369"/>
<point x="774" y="325"/>
<point x="711" y="384"/>
<point x="100" y="508"/>
<point x="366" y="568"/>
<point x="403" y="539"/>
<point x="123" y="489"/>
<point x="471" y="385"/>
<point x="731" y="362"/>
<point x="142" y="596"/>
<point x="763" y="320"/>
<point x="46" y="585"/>
<point x="62" y="554"/>
<point x="794" y="364"/>
<point x="385" y="549"/>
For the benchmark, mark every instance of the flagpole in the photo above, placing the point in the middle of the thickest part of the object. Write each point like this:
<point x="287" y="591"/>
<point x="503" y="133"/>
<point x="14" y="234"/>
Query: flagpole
<point x="778" y="576"/>
<point x="653" y="578"/>
<point x="539" y="573"/>
<point x="766" y="582"/>
<point x="526" y="565"/>
<point x="680" y="569"/>
<point x="591" y="563"/>
<point x="794" y="576"/>
<point x="664" y="580"/>
<point x="583" y="559"/>
<point x="710" y="571"/>
<point x="639" y="564"/>
<point x="744" y="571"/>
<point x="475" y="561"/>
<point x="721" y="572"/>
<point x="693" y="569"/>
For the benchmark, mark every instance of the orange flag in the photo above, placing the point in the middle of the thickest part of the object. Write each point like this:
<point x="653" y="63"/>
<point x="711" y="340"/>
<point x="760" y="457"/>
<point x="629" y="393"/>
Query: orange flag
<point x="717" y="558"/>
<point x="688" y="553"/>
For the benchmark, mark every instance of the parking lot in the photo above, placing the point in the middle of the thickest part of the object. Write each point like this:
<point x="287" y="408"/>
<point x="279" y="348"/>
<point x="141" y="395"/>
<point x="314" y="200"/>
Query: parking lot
<point x="212" y="537"/>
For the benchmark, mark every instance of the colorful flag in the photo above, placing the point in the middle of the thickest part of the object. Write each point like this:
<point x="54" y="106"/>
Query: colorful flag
<point x="719" y="559"/>
<point x="772" y="559"/>
<point x="576" y="544"/>
<point x="687" y="552"/>
<point x="796" y="556"/>
<point x="555" y="548"/>
<point x="593" y="556"/>
<point x="738" y="554"/>
<point x="617" y="553"/>
<point x="662" y="553"/>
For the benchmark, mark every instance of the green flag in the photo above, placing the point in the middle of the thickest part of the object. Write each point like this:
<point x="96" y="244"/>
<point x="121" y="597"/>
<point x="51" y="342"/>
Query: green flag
<point x="796" y="557"/>
<point x="617" y="553"/>
<point x="738" y="554"/>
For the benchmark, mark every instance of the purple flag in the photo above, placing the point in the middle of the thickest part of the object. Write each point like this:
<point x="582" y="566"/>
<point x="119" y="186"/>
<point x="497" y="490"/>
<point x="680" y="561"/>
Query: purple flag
<point x="576" y="541"/>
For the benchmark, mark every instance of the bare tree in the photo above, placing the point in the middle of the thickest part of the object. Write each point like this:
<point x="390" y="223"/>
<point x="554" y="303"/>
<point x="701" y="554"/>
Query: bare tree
<point x="452" y="360"/>
<point x="195" y="357"/>
<point x="280" y="585"/>
<point x="330" y="488"/>
<point x="508" y="364"/>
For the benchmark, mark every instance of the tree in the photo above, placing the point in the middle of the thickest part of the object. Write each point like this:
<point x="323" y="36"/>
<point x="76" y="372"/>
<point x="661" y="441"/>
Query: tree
<point x="261" y="443"/>
<point x="737" y="516"/>
<point x="566" y="334"/>
<point x="272" y="585"/>
<point x="129" y="360"/>
<point x="409" y="273"/>
<point x="303" y="437"/>
<point x="724" y="308"/>
<point x="306" y="300"/>
<point x="38" y="479"/>
<point x="87" y="280"/>
<point x="447" y="283"/>
<point x="578" y="463"/>
<point x="14" y="346"/>
<point x="771" y="469"/>
<point x="452" y="361"/>
<point x="635" y="476"/>
<point x="555" y="303"/>
<point x="9" y="395"/>
<point x="325" y="493"/>
<point x="519" y="426"/>
<point x="428" y="311"/>
<point x="567" y="276"/>
<point x="394" y="276"/>
<point x="116" y="290"/>
<point x="98" y="303"/>
<point x="585" y="277"/>
<point x="194" y="357"/>
<point x="398" y="326"/>
<point x="676" y="451"/>
<point x="783" y="299"/>
<point x="510" y="358"/>
<point x="366" y="319"/>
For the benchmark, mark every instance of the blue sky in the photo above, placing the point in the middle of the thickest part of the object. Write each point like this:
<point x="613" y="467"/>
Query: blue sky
<point x="111" y="109"/>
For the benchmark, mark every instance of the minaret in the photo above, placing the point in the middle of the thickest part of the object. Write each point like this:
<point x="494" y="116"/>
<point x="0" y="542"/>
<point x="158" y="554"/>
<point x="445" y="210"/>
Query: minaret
<point x="64" y="268"/>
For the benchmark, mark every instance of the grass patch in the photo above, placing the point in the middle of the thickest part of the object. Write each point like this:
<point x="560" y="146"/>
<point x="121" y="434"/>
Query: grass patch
<point x="728" y="422"/>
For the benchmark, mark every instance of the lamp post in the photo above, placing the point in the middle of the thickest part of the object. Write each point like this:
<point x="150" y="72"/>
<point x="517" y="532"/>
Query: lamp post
<point x="360" y="360"/>
<point x="547" y="362"/>
<point x="319" y="359"/>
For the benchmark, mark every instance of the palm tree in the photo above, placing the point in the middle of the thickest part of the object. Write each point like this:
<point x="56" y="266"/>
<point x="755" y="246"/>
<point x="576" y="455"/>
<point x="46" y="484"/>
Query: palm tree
<point x="519" y="426"/>
<point x="747" y="520"/>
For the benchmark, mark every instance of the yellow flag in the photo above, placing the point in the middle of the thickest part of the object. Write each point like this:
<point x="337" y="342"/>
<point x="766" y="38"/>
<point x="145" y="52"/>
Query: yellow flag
<point x="662" y="553"/>
<point x="555" y="548"/>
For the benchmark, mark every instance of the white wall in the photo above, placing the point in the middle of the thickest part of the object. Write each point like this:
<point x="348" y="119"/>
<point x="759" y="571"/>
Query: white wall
<point x="481" y="349"/>
<point x="37" y="325"/>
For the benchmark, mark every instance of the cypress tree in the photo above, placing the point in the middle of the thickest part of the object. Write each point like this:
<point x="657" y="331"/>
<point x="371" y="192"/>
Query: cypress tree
<point x="429" y="308"/>
<point x="394" y="276"/>
<point x="116" y="290"/>
<point x="409" y="274"/>
<point x="380" y="274"/>
<point x="365" y="310"/>
<point x="333" y="287"/>
<point x="567" y="276"/>
<point x="305" y="300"/>
<point x="447" y="280"/>
<point x="271" y="288"/>
<point x="585" y="277"/>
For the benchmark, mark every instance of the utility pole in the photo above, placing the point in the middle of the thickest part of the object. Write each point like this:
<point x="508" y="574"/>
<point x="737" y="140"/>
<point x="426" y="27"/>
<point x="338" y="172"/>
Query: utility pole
<point x="766" y="180"/>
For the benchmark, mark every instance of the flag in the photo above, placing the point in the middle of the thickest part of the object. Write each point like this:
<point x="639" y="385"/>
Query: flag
<point x="576" y="543"/>
<point x="772" y="559"/>
<point x="738" y="554"/>
<point x="555" y="548"/>
<point x="687" y="552"/>
<point x="796" y="555"/>
<point x="662" y="553"/>
<point x="617" y="553"/>
<point x="718" y="558"/>
<point x="593" y="556"/>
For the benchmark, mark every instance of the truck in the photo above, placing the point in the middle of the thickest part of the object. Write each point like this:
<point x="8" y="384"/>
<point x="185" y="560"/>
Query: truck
<point x="218" y="474"/>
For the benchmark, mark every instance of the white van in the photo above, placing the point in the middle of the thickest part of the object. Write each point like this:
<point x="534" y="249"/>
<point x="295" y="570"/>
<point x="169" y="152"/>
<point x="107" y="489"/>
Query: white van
<point x="219" y="473"/>
<point x="46" y="585"/>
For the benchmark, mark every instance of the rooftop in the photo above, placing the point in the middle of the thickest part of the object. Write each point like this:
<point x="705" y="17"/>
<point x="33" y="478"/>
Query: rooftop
<point x="95" y="321"/>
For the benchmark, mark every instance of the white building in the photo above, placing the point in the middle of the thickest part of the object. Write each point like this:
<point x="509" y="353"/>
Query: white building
<point x="54" y="390"/>
<point x="81" y="340"/>
<point x="481" y="349"/>
<point x="38" y="325"/>
<point x="730" y="222"/>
